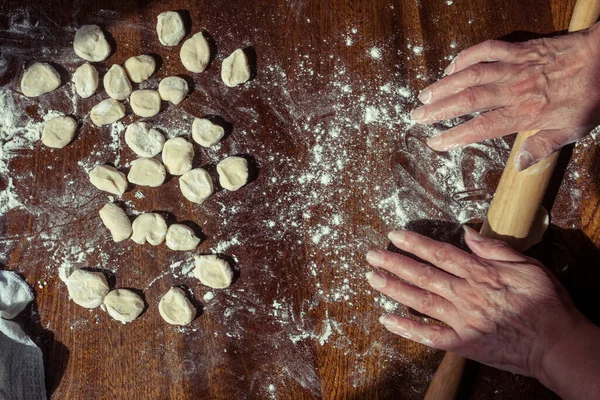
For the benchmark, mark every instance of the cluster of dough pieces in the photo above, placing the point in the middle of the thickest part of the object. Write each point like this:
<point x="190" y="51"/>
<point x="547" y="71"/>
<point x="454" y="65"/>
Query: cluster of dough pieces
<point x="90" y="289"/>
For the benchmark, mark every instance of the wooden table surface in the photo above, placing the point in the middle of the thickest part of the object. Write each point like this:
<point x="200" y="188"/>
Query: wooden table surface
<point x="337" y="164"/>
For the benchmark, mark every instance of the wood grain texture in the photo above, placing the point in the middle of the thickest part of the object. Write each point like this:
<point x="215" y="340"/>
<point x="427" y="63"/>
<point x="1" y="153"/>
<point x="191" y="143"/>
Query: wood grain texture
<point x="240" y="343"/>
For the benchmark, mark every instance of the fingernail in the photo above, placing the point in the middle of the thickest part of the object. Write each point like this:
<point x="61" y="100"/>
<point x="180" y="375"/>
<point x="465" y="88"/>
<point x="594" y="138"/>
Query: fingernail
<point x="524" y="161"/>
<point x="375" y="258"/>
<point x="450" y="68"/>
<point x="376" y="279"/>
<point x="397" y="236"/>
<point x="472" y="234"/>
<point x="425" y="96"/>
<point x="435" y="142"/>
<point x="385" y="320"/>
<point x="417" y="114"/>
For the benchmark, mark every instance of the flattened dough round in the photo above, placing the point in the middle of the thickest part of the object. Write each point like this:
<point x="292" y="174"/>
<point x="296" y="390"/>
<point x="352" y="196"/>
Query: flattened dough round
<point x="181" y="238"/>
<point x="149" y="227"/>
<point x="233" y="173"/>
<point x="116" y="221"/>
<point x="173" y="89"/>
<point x="86" y="288"/>
<point x="144" y="140"/>
<point x="140" y="68"/>
<point x="170" y="28"/>
<point x="90" y="43"/>
<point x="195" y="53"/>
<point x="147" y="172"/>
<point x="116" y="83"/>
<point x="106" y="112"/>
<point x="196" y="185"/>
<point x="177" y="155"/>
<point x="175" y="308"/>
<point x="145" y="103"/>
<point x="39" y="79"/>
<point x="59" y="131"/>
<point x="86" y="80"/>
<point x="108" y="179"/>
<point x="123" y="305"/>
<point x="213" y="271"/>
<point x="235" y="69"/>
<point x="205" y="133"/>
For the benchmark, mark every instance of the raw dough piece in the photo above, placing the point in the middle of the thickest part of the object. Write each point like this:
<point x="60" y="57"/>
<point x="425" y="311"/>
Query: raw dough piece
<point x="170" y="28"/>
<point x="145" y="103"/>
<point x="86" y="288"/>
<point x="106" y="112"/>
<point x="195" y="53"/>
<point x="181" y="237"/>
<point x="90" y="43"/>
<point x="123" y="305"/>
<point x="147" y="172"/>
<point x="233" y="173"/>
<point x="116" y="83"/>
<point x="59" y="131"/>
<point x="196" y="185"/>
<point x="107" y="178"/>
<point x="173" y="89"/>
<point x="213" y="271"/>
<point x="140" y="68"/>
<point x="86" y="80"/>
<point x="235" y="69"/>
<point x="177" y="155"/>
<point x="149" y="227"/>
<point x="39" y="79"/>
<point x="175" y="308"/>
<point x="117" y="222"/>
<point x="143" y="140"/>
<point x="205" y="133"/>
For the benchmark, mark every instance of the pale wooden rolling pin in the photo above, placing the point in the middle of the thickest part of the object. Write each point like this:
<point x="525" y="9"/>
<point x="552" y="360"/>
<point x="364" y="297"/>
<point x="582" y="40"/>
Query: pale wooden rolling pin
<point x="512" y="212"/>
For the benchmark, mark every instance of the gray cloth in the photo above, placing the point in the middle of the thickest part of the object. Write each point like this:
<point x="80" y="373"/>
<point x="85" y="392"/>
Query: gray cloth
<point x="21" y="361"/>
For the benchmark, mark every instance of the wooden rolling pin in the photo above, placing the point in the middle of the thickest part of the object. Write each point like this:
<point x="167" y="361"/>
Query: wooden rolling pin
<point x="512" y="212"/>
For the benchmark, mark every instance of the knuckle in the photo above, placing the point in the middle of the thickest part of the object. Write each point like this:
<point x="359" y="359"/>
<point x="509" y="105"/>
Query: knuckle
<point x="471" y="97"/>
<point x="548" y="143"/>
<point x="480" y="125"/>
<point x="436" y="335"/>
<point x="440" y="255"/>
<point x="427" y="304"/>
<point x="425" y="277"/>
<point x="475" y="74"/>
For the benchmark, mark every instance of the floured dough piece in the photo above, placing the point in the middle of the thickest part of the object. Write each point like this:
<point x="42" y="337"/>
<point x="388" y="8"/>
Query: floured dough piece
<point x="140" y="68"/>
<point x="173" y="89"/>
<point x="196" y="185"/>
<point x="86" y="80"/>
<point x="106" y="112"/>
<point x="117" y="222"/>
<point x="123" y="305"/>
<point x="149" y="227"/>
<point x="145" y="103"/>
<point x="86" y="288"/>
<point x="144" y="140"/>
<point x="147" y="172"/>
<point x="170" y="28"/>
<point x="195" y="53"/>
<point x="205" y="133"/>
<point x="177" y="155"/>
<point x="235" y="69"/>
<point x="59" y="131"/>
<point x="181" y="237"/>
<point x="175" y="308"/>
<point x="116" y="83"/>
<point x="39" y="79"/>
<point x="233" y="173"/>
<point x="213" y="271"/>
<point x="90" y="43"/>
<point x="107" y="178"/>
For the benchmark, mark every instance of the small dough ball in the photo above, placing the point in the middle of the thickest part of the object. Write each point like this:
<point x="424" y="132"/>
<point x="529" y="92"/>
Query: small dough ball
<point x="86" y="80"/>
<point x="86" y="288"/>
<point x="173" y="89"/>
<point x="213" y="271"/>
<point x="147" y="172"/>
<point x="145" y="103"/>
<point x="195" y="53"/>
<point x="177" y="155"/>
<point x="235" y="69"/>
<point x="233" y="173"/>
<point x="123" y="305"/>
<point x="107" y="178"/>
<point x="59" y="131"/>
<point x="175" y="308"/>
<point x="116" y="83"/>
<point x="144" y="140"/>
<point x="90" y="43"/>
<point x="39" y="79"/>
<point x="117" y="222"/>
<point x="196" y="185"/>
<point x="106" y="112"/>
<point x="170" y="28"/>
<point x="181" y="237"/>
<point x="140" y="68"/>
<point x="149" y="227"/>
<point x="205" y="133"/>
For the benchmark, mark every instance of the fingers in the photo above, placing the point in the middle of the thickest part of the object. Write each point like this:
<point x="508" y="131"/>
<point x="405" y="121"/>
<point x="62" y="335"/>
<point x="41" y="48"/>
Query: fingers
<point x="491" y="249"/>
<point x="421" y="300"/>
<point x="436" y="336"/>
<point x="488" y="51"/>
<point x="424" y="276"/>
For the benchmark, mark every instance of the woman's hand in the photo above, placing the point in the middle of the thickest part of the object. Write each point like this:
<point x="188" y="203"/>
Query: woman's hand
<point x="552" y="85"/>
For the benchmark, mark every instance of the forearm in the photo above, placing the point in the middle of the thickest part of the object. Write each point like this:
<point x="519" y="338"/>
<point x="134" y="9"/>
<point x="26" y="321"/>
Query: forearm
<point x="572" y="367"/>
